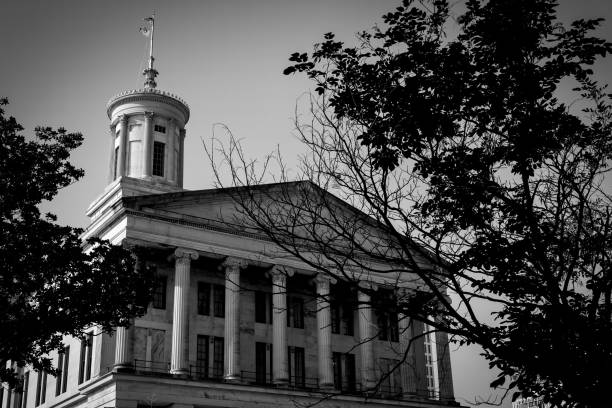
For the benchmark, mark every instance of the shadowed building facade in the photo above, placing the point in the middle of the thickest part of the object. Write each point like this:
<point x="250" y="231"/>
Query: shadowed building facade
<point x="230" y="325"/>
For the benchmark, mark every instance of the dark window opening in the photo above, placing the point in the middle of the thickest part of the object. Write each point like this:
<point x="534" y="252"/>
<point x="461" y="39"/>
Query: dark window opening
<point x="116" y="163"/>
<point x="295" y="315"/>
<point x="219" y="300"/>
<point x="204" y="298"/>
<point x="263" y="307"/>
<point x="159" y="150"/>
<point x="24" y="390"/>
<point x="344" y="371"/>
<point x="160" y="129"/>
<point x="297" y="369"/>
<point x="85" y="358"/>
<point x="61" y="380"/>
<point x="218" y="357"/>
<point x="159" y="293"/>
<point x="202" y="357"/>
<point x="263" y="363"/>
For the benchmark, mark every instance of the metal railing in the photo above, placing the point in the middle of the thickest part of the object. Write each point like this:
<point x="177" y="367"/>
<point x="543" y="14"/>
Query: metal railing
<point x="152" y="367"/>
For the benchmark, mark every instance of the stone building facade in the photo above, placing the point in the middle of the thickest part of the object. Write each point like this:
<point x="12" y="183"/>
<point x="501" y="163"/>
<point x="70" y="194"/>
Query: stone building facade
<point x="229" y="326"/>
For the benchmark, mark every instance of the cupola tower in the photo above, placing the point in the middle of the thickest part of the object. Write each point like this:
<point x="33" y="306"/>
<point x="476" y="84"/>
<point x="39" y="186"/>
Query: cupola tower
<point x="147" y="132"/>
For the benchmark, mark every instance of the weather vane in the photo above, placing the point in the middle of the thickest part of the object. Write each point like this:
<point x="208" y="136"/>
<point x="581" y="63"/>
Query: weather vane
<point x="150" y="73"/>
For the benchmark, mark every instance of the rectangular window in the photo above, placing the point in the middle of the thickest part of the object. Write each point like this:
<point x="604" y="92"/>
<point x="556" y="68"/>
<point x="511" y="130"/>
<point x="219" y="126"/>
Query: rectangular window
<point x="431" y="369"/>
<point x="116" y="163"/>
<point x="85" y="358"/>
<point x="344" y="371"/>
<point x="263" y="307"/>
<point x="159" y="293"/>
<point x="297" y="369"/>
<point x="41" y="388"/>
<point x="263" y="363"/>
<point x="218" y="357"/>
<point x="295" y="317"/>
<point x="387" y="326"/>
<point x="159" y="150"/>
<point x="160" y="129"/>
<point x="63" y="359"/>
<point x="204" y="298"/>
<point x="335" y="317"/>
<point x="392" y="384"/>
<point x="347" y="320"/>
<point x="202" y="357"/>
<point x="24" y="390"/>
<point x="219" y="300"/>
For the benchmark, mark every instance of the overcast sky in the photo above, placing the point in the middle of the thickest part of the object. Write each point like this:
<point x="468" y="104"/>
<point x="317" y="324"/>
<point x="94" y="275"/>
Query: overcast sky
<point x="61" y="61"/>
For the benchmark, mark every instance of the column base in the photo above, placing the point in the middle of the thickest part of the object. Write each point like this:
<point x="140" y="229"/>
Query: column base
<point x="180" y="372"/>
<point x="232" y="379"/>
<point x="123" y="368"/>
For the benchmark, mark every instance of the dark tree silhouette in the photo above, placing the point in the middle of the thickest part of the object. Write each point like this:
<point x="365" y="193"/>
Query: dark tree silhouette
<point x="52" y="283"/>
<point x="463" y="151"/>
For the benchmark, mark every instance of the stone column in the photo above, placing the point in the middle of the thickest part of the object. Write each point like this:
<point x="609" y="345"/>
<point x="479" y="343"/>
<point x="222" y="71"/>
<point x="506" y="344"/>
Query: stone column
<point x="324" y="333"/>
<point x="232" y="318"/>
<point x="181" y="157"/>
<point x="366" y="335"/>
<point x="148" y="144"/>
<point x="111" y="159"/>
<point x="280" y="366"/>
<point x="180" y="311"/>
<point x="123" y="348"/>
<point x="445" y="375"/>
<point x="123" y="147"/>
<point x="407" y="350"/>
<point x="170" y="166"/>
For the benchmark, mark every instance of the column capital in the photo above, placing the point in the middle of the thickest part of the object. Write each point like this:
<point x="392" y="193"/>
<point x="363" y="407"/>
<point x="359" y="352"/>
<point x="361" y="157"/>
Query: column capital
<point x="279" y="270"/>
<point x="323" y="279"/>
<point x="233" y="262"/>
<point x="368" y="285"/>
<point x="186" y="254"/>
<point x="123" y="119"/>
<point x="149" y="115"/>
<point x="182" y="132"/>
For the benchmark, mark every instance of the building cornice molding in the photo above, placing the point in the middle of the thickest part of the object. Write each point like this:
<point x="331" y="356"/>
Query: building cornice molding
<point x="155" y="95"/>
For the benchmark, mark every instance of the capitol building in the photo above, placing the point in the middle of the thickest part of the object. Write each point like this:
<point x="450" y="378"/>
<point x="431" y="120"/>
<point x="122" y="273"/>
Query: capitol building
<point x="230" y="325"/>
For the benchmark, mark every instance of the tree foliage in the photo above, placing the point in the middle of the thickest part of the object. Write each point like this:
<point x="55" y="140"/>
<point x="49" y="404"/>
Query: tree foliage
<point x="52" y="283"/>
<point x="465" y="150"/>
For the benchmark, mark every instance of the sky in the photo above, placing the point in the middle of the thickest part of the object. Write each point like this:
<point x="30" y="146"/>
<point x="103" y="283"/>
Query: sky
<point x="61" y="61"/>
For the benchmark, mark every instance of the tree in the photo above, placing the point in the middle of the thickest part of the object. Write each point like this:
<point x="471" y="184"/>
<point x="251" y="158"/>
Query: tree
<point x="464" y="151"/>
<point x="52" y="283"/>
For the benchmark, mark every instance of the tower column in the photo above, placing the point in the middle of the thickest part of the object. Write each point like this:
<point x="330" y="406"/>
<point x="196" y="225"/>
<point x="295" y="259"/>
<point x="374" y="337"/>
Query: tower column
<point x="123" y="140"/>
<point x="368" y="380"/>
<point x="148" y="144"/>
<point x="111" y="158"/>
<point x="324" y="332"/>
<point x="232" y="318"/>
<point x="280" y="366"/>
<point x="180" y="310"/>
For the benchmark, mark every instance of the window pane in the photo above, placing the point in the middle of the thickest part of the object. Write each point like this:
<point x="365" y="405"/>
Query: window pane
<point x="260" y="307"/>
<point x="159" y="150"/>
<point x="159" y="295"/>
<point x="202" y="357"/>
<point x="260" y="363"/>
<point x="204" y="298"/>
<point x="218" y="357"/>
<point x="219" y="300"/>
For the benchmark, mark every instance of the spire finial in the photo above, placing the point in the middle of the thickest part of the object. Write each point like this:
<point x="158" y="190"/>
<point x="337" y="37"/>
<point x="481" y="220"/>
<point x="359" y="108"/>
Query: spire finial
<point x="150" y="73"/>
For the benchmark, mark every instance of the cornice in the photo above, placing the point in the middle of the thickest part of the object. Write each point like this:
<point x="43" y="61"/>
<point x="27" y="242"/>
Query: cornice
<point x="156" y="95"/>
